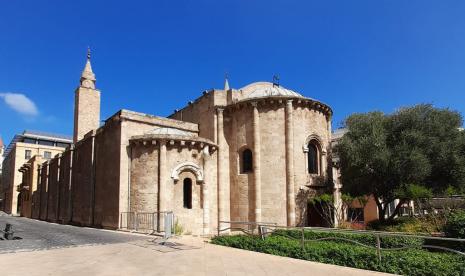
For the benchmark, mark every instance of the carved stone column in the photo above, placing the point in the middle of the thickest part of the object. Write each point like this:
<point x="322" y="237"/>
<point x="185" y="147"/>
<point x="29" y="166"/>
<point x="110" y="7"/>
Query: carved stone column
<point x="222" y="216"/>
<point x="326" y="153"/>
<point x="162" y="189"/>
<point x="205" y="195"/>
<point x="290" y="195"/>
<point x="256" y="163"/>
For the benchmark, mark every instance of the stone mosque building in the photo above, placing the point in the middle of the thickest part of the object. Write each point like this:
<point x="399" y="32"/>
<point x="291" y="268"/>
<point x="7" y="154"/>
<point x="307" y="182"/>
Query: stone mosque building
<point x="250" y="154"/>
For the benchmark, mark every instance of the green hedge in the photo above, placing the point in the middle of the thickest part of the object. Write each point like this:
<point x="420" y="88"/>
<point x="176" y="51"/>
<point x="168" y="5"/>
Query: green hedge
<point x="455" y="226"/>
<point x="406" y="262"/>
<point x="367" y="239"/>
<point x="425" y="224"/>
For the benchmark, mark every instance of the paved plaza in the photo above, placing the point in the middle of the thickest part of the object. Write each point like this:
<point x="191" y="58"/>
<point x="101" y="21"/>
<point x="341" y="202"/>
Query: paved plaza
<point x="40" y="235"/>
<point x="52" y="249"/>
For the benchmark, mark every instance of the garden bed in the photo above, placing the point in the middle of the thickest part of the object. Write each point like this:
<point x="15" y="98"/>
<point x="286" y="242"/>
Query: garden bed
<point x="339" y="252"/>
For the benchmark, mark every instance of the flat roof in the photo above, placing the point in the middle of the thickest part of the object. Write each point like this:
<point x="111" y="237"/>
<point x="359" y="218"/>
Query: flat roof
<point x="61" y="138"/>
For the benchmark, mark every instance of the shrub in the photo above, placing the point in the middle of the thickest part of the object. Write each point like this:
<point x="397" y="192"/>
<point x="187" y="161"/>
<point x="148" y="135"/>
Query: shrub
<point x="455" y="226"/>
<point x="425" y="224"/>
<point x="178" y="229"/>
<point x="406" y="262"/>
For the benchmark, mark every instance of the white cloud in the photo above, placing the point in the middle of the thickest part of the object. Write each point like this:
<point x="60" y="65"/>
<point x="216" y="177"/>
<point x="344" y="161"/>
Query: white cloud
<point x="20" y="103"/>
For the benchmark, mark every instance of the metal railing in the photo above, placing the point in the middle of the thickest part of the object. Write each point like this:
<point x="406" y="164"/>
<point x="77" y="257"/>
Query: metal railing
<point x="268" y="229"/>
<point x="146" y="222"/>
<point x="242" y="226"/>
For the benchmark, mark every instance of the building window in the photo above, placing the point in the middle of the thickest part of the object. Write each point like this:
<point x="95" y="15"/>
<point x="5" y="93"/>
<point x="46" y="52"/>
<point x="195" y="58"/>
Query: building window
<point x="355" y="215"/>
<point x="313" y="158"/>
<point x="246" y="161"/>
<point x="47" y="155"/>
<point x="187" y="193"/>
<point x="46" y="143"/>
<point x="28" y="154"/>
<point x="62" y="145"/>
<point x="29" y="141"/>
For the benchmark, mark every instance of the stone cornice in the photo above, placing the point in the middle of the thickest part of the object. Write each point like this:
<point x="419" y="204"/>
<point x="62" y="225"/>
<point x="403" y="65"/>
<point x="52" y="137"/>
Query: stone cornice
<point x="279" y="100"/>
<point x="155" y="120"/>
<point x="174" y="140"/>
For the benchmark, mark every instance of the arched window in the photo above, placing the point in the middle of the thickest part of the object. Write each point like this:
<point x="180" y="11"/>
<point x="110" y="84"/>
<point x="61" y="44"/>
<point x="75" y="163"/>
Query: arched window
<point x="187" y="193"/>
<point x="313" y="158"/>
<point x="247" y="161"/>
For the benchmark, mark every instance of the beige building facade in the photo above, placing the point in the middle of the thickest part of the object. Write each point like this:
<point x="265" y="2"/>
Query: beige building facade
<point x="251" y="154"/>
<point x="21" y="149"/>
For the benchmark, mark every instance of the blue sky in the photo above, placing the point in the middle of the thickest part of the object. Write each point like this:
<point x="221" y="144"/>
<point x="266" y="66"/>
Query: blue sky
<point x="155" y="56"/>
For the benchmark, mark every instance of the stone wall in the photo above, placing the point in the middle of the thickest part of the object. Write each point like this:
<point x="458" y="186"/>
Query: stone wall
<point x="202" y="112"/>
<point x="309" y="124"/>
<point x="35" y="205"/>
<point x="34" y="184"/>
<point x="64" y="211"/>
<point x="26" y="199"/>
<point x="53" y="189"/>
<point x="273" y="162"/>
<point x="87" y="184"/>
<point x="133" y="124"/>
<point x="145" y="183"/>
<point x="107" y="175"/>
<point x="240" y="137"/>
<point x="190" y="219"/>
<point x="283" y="168"/>
<point x="144" y="179"/>
<point x="43" y="198"/>
<point x="83" y="181"/>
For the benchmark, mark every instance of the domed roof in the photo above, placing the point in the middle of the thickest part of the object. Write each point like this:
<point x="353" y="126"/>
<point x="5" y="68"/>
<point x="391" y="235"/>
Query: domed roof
<point x="267" y="89"/>
<point x="169" y="131"/>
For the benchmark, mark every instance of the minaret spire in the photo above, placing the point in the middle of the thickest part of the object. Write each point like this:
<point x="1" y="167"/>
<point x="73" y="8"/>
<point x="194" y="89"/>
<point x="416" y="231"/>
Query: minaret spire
<point x="86" y="103"/>
<point x="226" y="83"/>
<point x="87" y="76"/>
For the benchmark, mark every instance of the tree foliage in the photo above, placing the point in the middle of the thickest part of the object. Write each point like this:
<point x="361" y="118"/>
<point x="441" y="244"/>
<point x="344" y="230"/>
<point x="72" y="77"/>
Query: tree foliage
<point x="415" y="151"/>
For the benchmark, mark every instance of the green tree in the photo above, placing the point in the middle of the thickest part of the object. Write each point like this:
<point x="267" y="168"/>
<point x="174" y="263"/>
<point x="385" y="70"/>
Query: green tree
<point x="391" y="156"/>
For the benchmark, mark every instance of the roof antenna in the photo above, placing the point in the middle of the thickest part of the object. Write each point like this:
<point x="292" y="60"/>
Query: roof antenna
<point x="276" y="80"/>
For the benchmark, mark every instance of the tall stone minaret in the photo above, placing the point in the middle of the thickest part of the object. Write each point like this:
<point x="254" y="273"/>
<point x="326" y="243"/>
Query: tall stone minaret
<point x="86" y="103"/>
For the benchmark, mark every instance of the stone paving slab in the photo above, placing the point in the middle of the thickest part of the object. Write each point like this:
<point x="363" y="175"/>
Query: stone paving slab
<point x="164" y="247"/>
<point x="54" y="249"/>
<point x="41" y="235"/>
<point x="132" y="259"/>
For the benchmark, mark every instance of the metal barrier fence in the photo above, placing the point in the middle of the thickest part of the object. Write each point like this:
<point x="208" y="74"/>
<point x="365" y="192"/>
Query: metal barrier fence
<point x="265" y="230"/>
<point x="243" y="226"/>
<point x="147" y="222"/>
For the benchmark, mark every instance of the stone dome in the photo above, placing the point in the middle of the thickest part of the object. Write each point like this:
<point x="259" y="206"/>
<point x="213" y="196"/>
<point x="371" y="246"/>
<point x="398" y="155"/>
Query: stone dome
<point x="169" y="131"/>
<point x="267" y="89"/>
